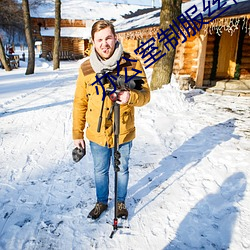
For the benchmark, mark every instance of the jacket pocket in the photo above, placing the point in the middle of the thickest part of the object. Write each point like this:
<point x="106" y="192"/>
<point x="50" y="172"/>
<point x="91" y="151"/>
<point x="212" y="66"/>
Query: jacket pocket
<point x="126" y="120"/>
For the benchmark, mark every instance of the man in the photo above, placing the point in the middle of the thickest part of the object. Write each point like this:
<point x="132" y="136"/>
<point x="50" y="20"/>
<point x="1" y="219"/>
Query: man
<point x="107" y="51"/>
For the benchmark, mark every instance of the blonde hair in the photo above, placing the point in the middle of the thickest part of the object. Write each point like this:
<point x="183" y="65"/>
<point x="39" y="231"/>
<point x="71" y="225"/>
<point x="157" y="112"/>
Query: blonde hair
<point x="100" y="25"/>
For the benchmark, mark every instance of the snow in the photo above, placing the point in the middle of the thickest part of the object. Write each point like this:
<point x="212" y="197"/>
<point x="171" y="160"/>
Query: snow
<point x="145" y="20"/>
<point x="153" y="18"/>
<point x="84" y="33"/>
<point x="155" y="3"/>
<point x="86" y="10"/>
<point x="189" y="169"/>
<point x="189" y="175"/>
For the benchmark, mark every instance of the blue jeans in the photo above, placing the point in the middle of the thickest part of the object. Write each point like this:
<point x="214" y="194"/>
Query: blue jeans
<point x="102" y="157"/>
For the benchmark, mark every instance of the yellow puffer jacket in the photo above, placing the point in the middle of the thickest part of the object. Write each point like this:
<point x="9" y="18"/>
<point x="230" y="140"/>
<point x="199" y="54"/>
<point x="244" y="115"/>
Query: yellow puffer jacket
<point x="87" y="106"/>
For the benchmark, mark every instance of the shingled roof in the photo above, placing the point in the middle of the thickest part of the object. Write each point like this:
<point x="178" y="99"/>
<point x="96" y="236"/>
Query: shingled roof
<point x="240" y="8"/>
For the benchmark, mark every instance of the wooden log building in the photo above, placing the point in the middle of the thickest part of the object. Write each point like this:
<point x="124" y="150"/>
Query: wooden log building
<point x="74" y="36"/>
<point x="220" y="50"/>
<point x="77" y="19"/>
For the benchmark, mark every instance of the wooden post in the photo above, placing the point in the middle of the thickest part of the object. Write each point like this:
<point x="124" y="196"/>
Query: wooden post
<point x="201" y="59"/>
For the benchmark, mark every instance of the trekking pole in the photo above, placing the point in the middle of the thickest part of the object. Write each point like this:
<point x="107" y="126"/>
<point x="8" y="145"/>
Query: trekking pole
<point x="100" y="117"/>
<point x="117" y="156"/>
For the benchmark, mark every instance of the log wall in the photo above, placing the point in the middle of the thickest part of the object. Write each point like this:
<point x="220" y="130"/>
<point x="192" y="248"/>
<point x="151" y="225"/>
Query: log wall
<point x="209" y="57"/>
<point x="129" y="45"/>
<point x="50" y="22"/>
<point x="245" y="60"/>
<point x="185" y="62"/>
<point x="73" y="45"/>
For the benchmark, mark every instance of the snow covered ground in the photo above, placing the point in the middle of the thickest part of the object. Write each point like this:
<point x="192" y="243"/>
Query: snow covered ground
<point x="189" y="170"/>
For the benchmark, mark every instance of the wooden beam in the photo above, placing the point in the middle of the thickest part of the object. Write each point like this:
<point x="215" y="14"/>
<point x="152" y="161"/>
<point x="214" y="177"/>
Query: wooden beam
<point x="201" y="59"/>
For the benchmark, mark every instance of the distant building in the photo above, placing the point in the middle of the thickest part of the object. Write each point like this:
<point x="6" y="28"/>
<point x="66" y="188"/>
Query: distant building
<point x="77" y="19"/>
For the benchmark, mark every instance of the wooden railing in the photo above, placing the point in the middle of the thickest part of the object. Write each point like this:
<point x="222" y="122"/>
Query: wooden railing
<point x="64" y="55"/>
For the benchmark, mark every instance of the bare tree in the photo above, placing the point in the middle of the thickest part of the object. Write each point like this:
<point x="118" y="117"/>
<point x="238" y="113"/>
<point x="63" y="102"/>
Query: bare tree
<point x="11" y="24"/>
<point x="28" y="33"/>
<point x="56" y="59"/>
<point x="162" y="72"/>
<point x="11" y="16"/>
<point x="36" y="3"/>
<point x="3" y="57"/>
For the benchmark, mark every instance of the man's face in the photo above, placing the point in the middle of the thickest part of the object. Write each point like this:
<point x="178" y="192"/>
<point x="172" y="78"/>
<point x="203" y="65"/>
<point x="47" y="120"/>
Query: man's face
<point x="104" y="42"/>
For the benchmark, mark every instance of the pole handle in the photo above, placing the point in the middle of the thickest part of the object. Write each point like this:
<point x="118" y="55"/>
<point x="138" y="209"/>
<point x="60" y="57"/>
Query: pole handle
<point x="99" y="124"/>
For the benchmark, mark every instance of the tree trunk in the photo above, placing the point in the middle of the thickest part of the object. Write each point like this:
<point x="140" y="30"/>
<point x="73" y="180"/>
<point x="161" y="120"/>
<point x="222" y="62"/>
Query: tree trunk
<point x="29" y="38"/>
<point x="162" y="72"/>
<point x="3" y="57"/>
<point x="56" y="59"/>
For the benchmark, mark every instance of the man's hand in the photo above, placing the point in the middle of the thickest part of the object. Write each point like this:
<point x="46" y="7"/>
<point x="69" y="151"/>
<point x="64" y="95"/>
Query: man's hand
<point x="123" y="97"/>
<point x="79" y="143"/>
<point x="79" y="151"/>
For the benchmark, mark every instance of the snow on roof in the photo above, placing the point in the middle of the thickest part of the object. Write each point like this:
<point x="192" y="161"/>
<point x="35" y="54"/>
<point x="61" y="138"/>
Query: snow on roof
<point x="145" y="20"/>
<point x="85" y="10"/>
<point x="199" y="5"/>
<point x="153" y="18"/>
<point x="80" y="32"/>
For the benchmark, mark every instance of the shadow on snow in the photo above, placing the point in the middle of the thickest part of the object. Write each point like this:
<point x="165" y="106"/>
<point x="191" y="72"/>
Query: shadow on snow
<point x="23" y="110"/>
<point x="209" y="225"/>
<point x="190" y="153"/>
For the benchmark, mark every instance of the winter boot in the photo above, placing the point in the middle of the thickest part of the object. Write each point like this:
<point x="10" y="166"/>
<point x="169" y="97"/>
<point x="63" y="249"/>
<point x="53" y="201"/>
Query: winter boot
<point x="122" y="211"/>
<point x="97" y="210"/>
